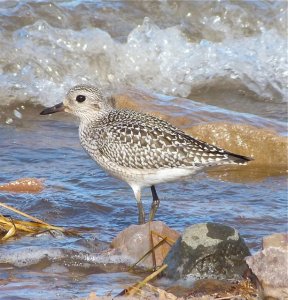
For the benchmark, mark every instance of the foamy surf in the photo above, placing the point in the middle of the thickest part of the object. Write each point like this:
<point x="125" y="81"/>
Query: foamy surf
<point x="108" y="260"/>
<point x="42" y="59"/>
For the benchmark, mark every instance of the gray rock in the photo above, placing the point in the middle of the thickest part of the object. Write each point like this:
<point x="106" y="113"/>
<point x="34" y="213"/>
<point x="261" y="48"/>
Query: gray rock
<point x="207" y="250"/>
<point x="270" y="266"/>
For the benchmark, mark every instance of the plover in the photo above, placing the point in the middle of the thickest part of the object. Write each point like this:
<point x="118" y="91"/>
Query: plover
<point x="137" y="148"/>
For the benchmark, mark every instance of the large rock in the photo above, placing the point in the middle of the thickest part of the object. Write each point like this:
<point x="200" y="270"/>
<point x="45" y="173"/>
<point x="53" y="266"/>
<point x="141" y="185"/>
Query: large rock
<point x="135" y="241"/>
<point x="276" y="240"/>
<point x="270" y="266"/>
<point x="207" y="250"/>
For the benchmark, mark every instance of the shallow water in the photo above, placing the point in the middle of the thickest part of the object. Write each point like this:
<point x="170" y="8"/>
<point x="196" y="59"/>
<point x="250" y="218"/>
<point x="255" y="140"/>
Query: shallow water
<point x="232" y="64"/>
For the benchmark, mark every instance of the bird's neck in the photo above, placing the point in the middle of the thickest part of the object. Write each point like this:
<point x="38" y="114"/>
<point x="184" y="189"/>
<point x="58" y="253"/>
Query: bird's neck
<point x="90" y="130"/>
<point x="93" y="117"/>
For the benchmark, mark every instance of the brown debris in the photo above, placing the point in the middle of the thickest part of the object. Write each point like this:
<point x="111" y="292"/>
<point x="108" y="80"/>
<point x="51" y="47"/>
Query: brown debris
<point x="219" y="289"/>
<point x="242" y="290"/>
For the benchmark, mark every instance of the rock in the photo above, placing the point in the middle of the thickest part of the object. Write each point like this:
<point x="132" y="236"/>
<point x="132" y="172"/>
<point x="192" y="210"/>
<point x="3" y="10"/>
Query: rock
<point x="207" y="250"/>
<point x="23" y="185"/>
<point x="134" y="242"/>
<point x="278" y="240"/>
<point x="270" y="266"/>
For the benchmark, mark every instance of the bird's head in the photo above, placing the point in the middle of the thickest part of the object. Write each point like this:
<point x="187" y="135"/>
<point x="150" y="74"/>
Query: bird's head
<point x="84" y="101"/>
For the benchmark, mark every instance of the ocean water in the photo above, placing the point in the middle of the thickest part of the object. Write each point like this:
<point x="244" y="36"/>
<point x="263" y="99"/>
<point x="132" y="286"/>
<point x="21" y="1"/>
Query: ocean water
<point x="218" y="69"/>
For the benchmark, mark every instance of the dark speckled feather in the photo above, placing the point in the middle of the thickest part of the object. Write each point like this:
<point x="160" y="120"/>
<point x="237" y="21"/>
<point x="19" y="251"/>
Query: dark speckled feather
<point x="136" y="140"/>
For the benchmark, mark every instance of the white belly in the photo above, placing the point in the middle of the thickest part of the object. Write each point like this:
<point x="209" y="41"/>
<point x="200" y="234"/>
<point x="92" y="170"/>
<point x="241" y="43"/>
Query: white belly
<point x="141" y="177"/>
<point x="154" y="176"/>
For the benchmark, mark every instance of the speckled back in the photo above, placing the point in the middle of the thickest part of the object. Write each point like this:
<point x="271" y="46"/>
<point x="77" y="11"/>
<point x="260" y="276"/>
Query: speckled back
<point x="136" y="140"/>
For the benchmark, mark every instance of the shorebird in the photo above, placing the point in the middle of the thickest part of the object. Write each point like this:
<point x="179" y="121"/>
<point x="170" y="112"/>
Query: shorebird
<point x="140" y="149"/>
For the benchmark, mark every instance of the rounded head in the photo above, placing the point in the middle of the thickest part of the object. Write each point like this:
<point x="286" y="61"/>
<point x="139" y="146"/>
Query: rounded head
<point x="85" y="101"/>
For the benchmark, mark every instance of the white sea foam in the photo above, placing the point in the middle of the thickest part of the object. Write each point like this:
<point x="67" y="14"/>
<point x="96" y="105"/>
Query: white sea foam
<point x="40" y="62"/>
<point x="29" y="256"/>
<point x="105" y="257"/>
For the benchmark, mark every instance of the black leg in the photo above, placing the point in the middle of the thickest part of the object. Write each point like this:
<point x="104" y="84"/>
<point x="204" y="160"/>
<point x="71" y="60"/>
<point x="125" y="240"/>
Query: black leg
<point x="155" y="203"/>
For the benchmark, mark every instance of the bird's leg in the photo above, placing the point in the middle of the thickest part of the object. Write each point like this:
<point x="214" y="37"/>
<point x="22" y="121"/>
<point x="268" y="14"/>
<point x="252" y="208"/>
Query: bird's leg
<point x="155" y="203"/>
<point x="141" y="213"/>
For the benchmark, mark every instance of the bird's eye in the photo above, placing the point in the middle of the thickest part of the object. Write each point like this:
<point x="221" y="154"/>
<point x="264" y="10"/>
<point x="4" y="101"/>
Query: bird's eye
<point x="80" y="98"/>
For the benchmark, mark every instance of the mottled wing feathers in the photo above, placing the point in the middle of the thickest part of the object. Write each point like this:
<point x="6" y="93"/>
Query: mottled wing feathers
<point x="136" y="140"/>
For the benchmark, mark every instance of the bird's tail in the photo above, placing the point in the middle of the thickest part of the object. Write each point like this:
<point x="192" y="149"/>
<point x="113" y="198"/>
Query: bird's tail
<point x="239" y="159"/>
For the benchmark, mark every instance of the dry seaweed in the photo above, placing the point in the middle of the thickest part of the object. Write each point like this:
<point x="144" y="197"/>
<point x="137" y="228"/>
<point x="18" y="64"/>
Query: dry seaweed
<point x="243" y="289"/>
<point x="11" y="227"/>
<point x="165" y="239"/>
<point x="136" y="288"/>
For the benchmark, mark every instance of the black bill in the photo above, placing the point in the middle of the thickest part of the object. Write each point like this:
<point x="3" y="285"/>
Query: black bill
<point x="53" y="109"/>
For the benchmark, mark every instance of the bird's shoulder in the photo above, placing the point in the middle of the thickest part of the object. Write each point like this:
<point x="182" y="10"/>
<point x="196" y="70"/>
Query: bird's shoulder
<point x="127" y="126"/>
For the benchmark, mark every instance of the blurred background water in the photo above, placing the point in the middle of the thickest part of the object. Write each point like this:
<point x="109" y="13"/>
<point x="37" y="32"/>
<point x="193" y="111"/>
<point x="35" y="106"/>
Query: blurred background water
<point x="227" y="57"/>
